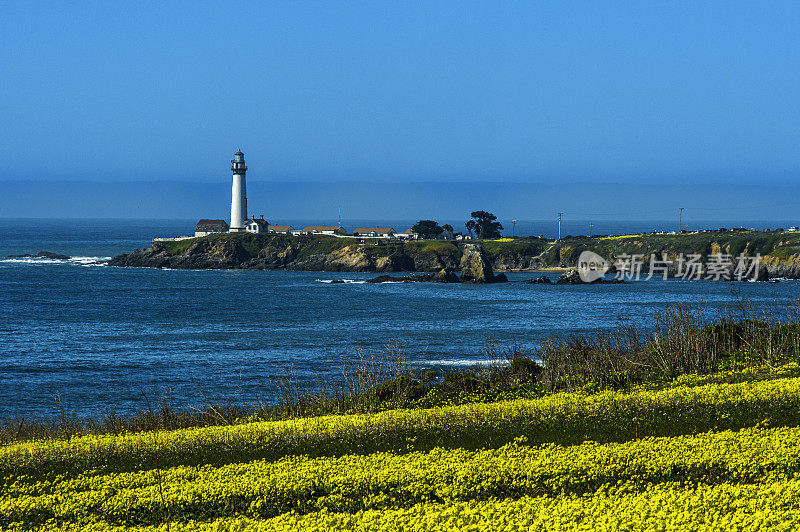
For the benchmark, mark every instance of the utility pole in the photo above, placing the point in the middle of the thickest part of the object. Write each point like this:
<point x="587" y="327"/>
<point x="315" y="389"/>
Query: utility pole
<point x="340" y="215"/>
<point x="590" y="228"/>
<point x="513" y="227"/>
<point x="680" y="221"/>
<point x="559" y="224"/>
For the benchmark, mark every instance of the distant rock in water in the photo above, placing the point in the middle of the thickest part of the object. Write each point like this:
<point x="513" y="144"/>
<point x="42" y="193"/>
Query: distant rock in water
<point x="574" y="277"/>
<point x="41" y="255"/>
<point x="390" y="279"/>
<point x="444" y="276"/>
<point x="570" y="277"/>
<point x="51" y="255"/>
<point x="440" y="277"/>
<point x="539" y="280"/>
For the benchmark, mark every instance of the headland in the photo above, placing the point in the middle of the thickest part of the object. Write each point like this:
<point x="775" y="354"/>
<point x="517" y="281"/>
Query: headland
<point x="779" y="252"/>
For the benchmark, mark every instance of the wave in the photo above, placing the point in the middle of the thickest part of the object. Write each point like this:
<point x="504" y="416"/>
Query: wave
<point x="90" y="261"/>
<point x="338" y="281"/>
<point x="78" y="261"/>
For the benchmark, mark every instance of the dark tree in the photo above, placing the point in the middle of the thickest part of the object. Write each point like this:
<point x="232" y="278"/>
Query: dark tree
<point x="427" y="228"/>
<point x="470" y="226"/>
<point x="447" y="227"/>
<point x="485" y="225"/>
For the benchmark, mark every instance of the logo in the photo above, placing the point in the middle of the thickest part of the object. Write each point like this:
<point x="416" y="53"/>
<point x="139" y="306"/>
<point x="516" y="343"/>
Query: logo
<point x="591" y="266"/>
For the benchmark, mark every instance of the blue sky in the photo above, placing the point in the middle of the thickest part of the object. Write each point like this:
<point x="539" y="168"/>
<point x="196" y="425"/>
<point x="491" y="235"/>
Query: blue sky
<point x="638" y="93"/>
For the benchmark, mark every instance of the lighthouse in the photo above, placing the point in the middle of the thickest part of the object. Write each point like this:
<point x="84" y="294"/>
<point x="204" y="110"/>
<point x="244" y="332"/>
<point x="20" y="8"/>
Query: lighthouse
<point x="238" y="193"/>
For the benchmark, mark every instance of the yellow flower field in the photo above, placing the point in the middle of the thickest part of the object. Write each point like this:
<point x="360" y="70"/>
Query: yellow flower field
<point x="696" y="455"/>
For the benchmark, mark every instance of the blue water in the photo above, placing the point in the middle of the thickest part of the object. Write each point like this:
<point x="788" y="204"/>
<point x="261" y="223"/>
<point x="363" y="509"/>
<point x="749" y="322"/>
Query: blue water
<point x="92" y="337"/>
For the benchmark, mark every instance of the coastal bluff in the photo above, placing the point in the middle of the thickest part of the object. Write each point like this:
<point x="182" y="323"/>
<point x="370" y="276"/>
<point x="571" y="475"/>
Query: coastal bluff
<point x="779" y="252"/>
<point x="314" y="253"/>
<point x="308" y="252"/>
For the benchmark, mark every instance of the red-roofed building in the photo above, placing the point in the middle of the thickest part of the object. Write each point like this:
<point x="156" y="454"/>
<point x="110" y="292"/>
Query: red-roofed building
<point x="284" y="229"/>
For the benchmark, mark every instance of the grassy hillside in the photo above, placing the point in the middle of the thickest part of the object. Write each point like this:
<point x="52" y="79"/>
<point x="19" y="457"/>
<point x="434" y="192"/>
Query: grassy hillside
<point x="774" y="243"/>
<point x="524" y="247"/>
<point x="709" y="449"/>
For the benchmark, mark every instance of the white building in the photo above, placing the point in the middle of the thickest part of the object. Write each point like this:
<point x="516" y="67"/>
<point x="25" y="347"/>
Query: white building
<point x="321" y="230"/>
<point x="238" y="193"/>
<point x="408" y="234"/>
<point x="374" y="232"/>
<point x="256" y="226"/>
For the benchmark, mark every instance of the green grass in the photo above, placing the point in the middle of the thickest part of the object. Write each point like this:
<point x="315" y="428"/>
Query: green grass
<point x="527" y="247"/>
<point x="431" y="245"/>
<point x="778" y="244"/>
<point x="180" y="247"/>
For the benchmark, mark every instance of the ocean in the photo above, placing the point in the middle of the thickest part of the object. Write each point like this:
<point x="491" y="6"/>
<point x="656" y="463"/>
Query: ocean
<point x="81" y="337"/>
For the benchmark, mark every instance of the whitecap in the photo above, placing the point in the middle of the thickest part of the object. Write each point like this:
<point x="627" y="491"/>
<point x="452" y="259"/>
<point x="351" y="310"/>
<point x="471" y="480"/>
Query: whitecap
<point x="87" y="260"/>
<point x="32" y="260"/>
<point x="80" y="261"/>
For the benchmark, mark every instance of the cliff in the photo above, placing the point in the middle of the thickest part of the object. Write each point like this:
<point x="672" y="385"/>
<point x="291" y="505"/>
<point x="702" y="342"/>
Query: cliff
<point x="780" y="252"/>
<point x="313" y="253"/>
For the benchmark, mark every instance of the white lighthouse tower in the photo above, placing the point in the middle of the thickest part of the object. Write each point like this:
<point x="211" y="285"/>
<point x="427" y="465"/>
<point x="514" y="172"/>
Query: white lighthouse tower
<point x="238" y="193"/>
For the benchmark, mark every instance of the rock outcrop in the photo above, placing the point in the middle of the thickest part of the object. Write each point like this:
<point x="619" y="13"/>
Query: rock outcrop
<point x="440" y="277"/>
<point x="539" y="280"/>
<point x="445" y="276"/>
<point x="570" y="277"/>
<point x="41" y="255"/>
<point x="574" y="277"/>
<point x="201" y="254"/>
<point x="763" y="273"/>
<point x="475" y="266"/>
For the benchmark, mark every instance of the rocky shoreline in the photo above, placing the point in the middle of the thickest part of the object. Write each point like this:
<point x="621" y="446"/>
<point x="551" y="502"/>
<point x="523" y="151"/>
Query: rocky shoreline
<point x="439" y="264"/>
<point x="475" y="261"/>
